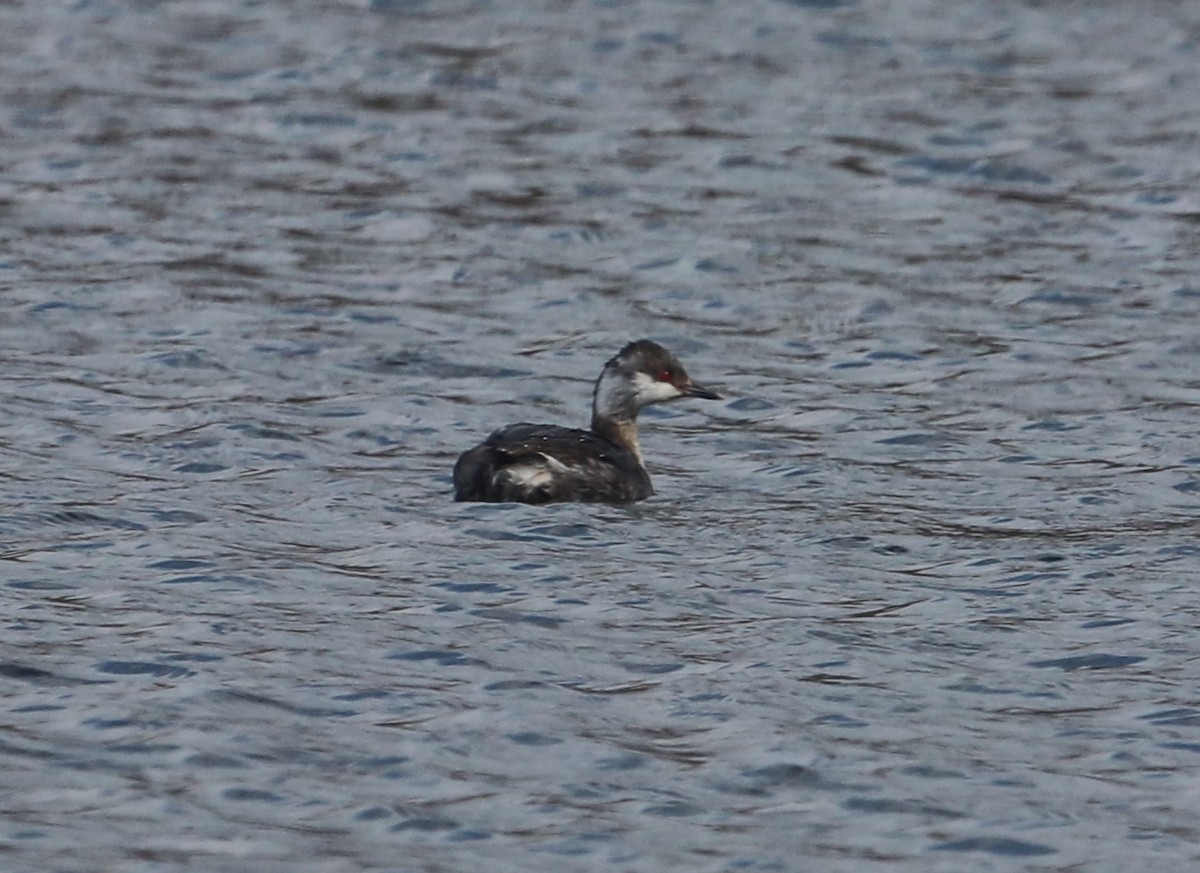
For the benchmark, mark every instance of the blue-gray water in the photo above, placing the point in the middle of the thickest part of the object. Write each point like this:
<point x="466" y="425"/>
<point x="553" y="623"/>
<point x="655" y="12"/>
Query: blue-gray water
<point x="919" y="595"/>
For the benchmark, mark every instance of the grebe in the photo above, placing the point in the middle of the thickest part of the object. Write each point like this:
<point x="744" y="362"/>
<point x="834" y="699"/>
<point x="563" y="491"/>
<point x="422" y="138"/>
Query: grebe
<point x="544" y="463"/>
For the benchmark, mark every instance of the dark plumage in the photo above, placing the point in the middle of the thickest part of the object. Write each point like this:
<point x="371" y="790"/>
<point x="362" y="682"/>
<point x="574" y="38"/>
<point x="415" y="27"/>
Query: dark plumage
<point x="544" y="463"/>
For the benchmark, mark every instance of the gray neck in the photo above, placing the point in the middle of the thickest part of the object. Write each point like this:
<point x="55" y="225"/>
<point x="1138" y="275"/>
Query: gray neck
<point x="614" y="411"/>
<point x="623" y="433"/>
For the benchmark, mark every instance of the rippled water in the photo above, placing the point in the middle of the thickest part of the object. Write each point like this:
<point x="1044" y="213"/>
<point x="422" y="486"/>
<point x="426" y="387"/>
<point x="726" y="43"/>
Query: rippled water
<point x="920" y="595"/>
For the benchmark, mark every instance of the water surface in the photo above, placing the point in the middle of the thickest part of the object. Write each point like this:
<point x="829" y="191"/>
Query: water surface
<point x="918" y="595"/>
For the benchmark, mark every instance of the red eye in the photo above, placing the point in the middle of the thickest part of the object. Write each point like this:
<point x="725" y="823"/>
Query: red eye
<point x="664" y="376"/>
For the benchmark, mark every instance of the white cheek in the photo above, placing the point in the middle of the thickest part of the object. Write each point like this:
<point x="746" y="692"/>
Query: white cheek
<point x="653" y="391"/>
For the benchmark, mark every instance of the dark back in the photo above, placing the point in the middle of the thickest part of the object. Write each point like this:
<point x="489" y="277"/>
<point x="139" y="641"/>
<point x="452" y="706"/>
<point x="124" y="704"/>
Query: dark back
<point x="542" y="463"/>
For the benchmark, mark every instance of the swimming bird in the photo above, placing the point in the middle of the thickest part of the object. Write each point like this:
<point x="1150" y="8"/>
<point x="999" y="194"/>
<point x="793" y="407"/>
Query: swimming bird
<point x="545" y="463"/>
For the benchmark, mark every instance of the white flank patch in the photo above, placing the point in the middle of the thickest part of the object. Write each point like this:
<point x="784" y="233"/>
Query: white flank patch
<point x="534" y="474"/>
